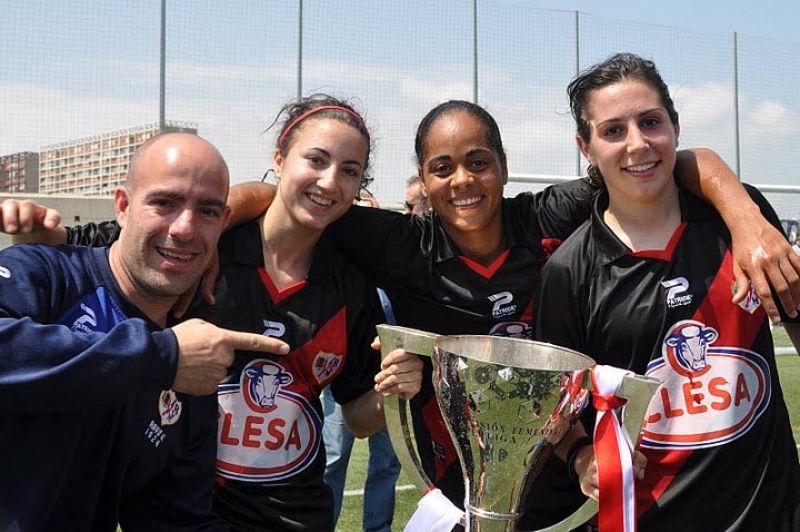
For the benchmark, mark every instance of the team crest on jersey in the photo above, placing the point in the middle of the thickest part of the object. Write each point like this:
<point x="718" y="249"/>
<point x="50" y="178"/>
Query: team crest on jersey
<point x="710" y="395"/>
<point x="751" y="301"/>
<point x="169" y="408"/>
<point x="266" y="431"/>
<point x="511" y="329"/>
<point x="325" y="365"/>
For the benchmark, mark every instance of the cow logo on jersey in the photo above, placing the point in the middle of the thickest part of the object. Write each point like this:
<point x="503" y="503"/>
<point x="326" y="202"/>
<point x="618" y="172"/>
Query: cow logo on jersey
<point x="709" y="395"/>
<point x="676" y="289"/>
<point x="266" y="430"/>
<point x="5" y="272"/>
<point x="169" y="408"/>
<point x="690" y="346"/>
<point x="751" y="301"/>
<point x="511" y="329"/>
<point x="502" y="304"/>
<point x="261" y="382"/>
<point x="274" y="329"/>
<point x="325" y="365"/>
<point x="87" y="322"/>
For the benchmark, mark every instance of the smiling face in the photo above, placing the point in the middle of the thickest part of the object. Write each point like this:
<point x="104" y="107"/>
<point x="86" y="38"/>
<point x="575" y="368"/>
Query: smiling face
<point x="320" y="174"/>
<point x="172" y="212"/>
<point x="463" y="176"/>
<point x="632" y="141"/>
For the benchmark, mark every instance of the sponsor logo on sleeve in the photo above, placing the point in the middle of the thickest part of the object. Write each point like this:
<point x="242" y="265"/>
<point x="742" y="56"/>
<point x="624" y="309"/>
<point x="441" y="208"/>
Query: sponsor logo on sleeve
<point x="266" y="432"/>
<point x="325" y="365"/>
<point x="751" y="301"/>
<point x="710" y="395"/>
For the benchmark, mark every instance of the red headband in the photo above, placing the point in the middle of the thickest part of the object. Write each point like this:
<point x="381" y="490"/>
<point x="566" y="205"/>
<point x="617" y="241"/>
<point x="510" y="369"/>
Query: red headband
<point x="314" y="110"/>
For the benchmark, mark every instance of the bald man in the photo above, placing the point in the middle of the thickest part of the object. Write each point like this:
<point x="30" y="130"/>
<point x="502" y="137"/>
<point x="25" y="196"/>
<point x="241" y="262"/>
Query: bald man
<point x="104" y="412"/>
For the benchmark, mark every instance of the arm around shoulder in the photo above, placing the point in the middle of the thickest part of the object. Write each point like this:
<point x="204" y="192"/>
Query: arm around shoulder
<point x="762" y="255"/>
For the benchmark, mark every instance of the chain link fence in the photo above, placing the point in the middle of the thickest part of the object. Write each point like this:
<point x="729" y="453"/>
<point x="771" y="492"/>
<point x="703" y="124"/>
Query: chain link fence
<point x="71" y="69"/>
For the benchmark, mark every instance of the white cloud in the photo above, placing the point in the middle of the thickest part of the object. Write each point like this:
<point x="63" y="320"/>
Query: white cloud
<point x="233" y="105"/>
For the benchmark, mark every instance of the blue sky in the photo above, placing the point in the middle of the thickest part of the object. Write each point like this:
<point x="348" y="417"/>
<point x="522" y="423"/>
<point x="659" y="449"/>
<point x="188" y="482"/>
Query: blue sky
<point x="73" y="68"/>
<point x="774" y="19"/>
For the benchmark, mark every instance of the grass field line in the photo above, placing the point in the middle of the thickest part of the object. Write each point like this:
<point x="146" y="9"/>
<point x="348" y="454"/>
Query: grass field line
<point x="360" y="493"/>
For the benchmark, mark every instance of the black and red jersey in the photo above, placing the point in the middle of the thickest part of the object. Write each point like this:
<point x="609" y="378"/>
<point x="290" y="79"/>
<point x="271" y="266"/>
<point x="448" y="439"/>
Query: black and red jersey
<point x="269" y="458"/>
<point x="432" y="287"/>
<point x="717" y="435"/>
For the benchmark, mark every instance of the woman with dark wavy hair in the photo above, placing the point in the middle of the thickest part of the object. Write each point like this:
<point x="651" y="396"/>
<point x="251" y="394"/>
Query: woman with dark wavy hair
<point x="646" y="285"/>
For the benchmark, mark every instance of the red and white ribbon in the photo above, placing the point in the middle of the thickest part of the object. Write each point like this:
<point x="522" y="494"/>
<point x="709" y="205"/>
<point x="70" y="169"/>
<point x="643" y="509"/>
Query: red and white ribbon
<point x="612" y="448"/>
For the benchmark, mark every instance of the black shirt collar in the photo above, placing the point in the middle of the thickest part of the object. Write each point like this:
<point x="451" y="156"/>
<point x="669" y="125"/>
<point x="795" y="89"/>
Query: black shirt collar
<point x="247" y="249"/>
<point x="515" y="234"/>
<point x="610" y="247"/>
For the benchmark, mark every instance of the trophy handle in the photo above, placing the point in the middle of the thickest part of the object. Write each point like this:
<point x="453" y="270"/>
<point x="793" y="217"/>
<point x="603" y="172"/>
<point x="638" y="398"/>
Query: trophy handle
<point x="638" y="391"/>
<point x="395" y="409"/>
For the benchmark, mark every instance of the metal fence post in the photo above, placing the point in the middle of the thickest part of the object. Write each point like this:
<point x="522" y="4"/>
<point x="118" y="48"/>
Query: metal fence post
<point x="475" y="51"/>
<point x="577" y="70"/>
<point x="299" y="49"/>
<point x="162" y="74"/>
<point x="736" y="102"/>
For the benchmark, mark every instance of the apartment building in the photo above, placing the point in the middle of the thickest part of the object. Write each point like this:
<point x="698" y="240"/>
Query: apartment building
<point x="95" y="165"/>
<point x="19" y="172"/>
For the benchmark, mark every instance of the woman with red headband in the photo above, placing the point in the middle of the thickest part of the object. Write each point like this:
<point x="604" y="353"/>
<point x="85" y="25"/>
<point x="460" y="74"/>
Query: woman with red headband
<point x="281" y="277"/>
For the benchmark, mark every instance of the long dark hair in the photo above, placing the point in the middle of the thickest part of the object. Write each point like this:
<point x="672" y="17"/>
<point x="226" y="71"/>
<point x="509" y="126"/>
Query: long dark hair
<point x="618" y="67"/>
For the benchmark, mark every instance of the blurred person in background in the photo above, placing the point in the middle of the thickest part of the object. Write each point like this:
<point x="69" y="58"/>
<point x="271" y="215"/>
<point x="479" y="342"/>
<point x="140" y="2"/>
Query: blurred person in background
<point x="416" y="201"/>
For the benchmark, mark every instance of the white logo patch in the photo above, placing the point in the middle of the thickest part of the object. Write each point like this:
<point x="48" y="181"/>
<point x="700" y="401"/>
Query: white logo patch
<point x="86" y="323"/>
<point x="751" y="301"/>
<point x="325" y="365"/>
<point x="502" y="304"/>
<point x="274" y="329"/>
<point x="169" y="408"/>
<point x="675" y="288"/>
<point x="5" y="272"/>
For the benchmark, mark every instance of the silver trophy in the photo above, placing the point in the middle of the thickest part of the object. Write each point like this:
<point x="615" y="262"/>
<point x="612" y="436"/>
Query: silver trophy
<point x="507" y="403"/>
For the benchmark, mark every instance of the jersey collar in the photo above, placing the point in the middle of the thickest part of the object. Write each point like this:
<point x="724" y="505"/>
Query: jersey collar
<point x="443" y="248"/>
<point x="247" y="250"/>
<point x="611" y="248"/>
